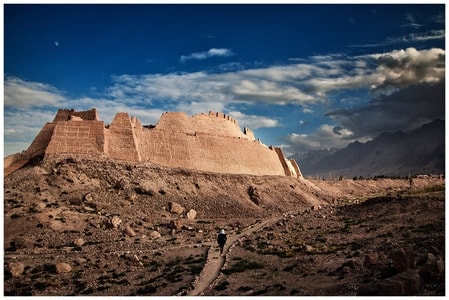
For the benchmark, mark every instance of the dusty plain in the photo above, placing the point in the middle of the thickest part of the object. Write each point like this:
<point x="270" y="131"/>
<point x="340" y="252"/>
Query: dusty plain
<point x="100" y="228"/>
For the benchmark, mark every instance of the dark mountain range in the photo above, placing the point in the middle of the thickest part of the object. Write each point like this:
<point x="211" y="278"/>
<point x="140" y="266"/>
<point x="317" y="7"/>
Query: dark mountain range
<point x="390" y="154"/>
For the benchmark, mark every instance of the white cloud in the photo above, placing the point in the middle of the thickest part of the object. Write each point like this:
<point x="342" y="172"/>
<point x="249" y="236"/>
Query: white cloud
<point x="402" y="68"/>
<point x="299" y="84"/>
<point x="20" y="93"/>
<point x="253" y="121"/>
<point x="18" y="133"/>
<point x="436" y="34"/>
<point x="325" y="137"/>
<point x="207" y="54"/>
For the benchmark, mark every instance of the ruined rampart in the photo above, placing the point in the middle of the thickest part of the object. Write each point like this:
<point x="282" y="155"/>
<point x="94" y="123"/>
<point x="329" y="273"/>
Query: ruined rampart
<point x="207" y="142"/>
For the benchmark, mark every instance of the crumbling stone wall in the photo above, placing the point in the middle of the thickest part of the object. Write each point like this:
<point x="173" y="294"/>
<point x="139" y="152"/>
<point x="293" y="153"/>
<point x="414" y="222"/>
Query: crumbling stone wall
<point x="207" y="142"/>
<point x="41" y="141"/>
<point x="77" y="137"/>
<point x="212" y="123"/>
<point x="120" y="139"/>
<point x="295" y="167"/>
<point x="65" y="114"/>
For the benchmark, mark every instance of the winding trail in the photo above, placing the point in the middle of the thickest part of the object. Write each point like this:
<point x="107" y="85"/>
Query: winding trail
<point x="215" y="261"/>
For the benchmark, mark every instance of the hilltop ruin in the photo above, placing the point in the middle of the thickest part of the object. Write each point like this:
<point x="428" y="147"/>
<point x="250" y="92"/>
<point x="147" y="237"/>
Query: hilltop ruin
<point x="210" y="142"/>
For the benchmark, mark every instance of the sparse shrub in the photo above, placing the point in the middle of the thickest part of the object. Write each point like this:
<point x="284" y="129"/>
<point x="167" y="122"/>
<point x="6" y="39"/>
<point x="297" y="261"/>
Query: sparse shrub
<point x="148" y="289"/>
<point x="386" y="234"/>
<point x="195" y="269"/>
<point x="243" y="265"/>
<point x="356" y="246"/>
<point x="15" y="216"/>
<point x="294" y="292"/>
<point x="279" y="286"/>
<point x="222" y="286"/>
<point x="426" y="228"/>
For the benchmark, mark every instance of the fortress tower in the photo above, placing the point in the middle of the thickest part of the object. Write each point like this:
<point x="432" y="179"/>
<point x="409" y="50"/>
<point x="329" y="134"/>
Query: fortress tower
<point x="210" y="142"/>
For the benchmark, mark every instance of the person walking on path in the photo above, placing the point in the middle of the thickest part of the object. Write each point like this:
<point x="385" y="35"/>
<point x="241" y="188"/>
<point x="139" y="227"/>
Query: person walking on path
<point x="221" y="239"/>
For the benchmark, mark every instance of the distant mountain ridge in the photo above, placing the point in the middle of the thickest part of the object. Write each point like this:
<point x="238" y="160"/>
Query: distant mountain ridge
<point x="421" y="151"/>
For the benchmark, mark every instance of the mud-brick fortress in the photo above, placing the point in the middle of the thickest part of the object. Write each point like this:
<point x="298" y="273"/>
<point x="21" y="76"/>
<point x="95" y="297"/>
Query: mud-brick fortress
<point x="210" y="142"/>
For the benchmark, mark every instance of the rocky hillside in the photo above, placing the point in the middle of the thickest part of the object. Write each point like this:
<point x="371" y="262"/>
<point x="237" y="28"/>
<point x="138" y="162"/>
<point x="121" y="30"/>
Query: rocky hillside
<point x="391" y="154"/>
<point x="81" y="227"/>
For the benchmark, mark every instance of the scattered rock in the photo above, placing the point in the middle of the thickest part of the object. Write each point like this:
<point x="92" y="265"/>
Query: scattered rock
<point x="78" y="242"/>
<point x="129" y="231"/>
<point x="176" y="224"/>
<point x="371" y="260"/>
<point x="307" y="248"/>
<point x="88" y="197"/>
<point x="353" y="264"/>
<point x="154" y="235"/>
<point x="144" y="189"/>
<point x="400" y="260"/>
<point x="175" y="208"/>
<point x="115" y="221"/>
<point x="81" y="261"/>
<point x="191" y="214"/>
<point x="16" y="268"/>
<point x="405" y="284"/>
<point x="63" y="268"/>
<point x="433" y="269"/>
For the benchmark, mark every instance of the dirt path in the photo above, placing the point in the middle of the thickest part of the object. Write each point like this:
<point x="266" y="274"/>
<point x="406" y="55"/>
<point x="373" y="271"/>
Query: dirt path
<point x="215" y="261"/>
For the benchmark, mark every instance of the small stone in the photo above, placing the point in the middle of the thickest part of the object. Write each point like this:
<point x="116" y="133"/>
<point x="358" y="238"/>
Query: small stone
<point x="129" y="231"/>
<point x="175" y="208"/>
<point x="88" y="197"/>
<point x="371" y="260"/>
<point x="191" y="214"/>
<point x="155" y="235"/>
<point x="16" y="268"/>
<point x="81" y="261"/>
<point x="78" y="242"/>
<point x="400" y="260"/>
<point x="115" y="221"/>
<point x="176" y="224"/>
<point x="307" y="248"/>
<point x="63" y="268"/>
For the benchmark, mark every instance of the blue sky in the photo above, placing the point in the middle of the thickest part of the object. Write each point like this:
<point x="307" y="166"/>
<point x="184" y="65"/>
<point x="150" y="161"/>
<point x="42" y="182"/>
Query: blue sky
<point x="301" y="76"/>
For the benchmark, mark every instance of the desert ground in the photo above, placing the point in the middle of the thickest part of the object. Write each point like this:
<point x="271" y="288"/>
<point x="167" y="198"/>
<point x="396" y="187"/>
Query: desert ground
<point x="100" y="228"/>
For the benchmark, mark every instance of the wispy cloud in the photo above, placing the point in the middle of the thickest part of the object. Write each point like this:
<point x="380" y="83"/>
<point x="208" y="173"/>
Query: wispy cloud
<point x="20" y="93"/>
<point x="206" y="54"/>
<point x="325" y="137"/>
<point x="409" y="38"/>
<point x="410" y="21"/>
<point x="254" y="121"/>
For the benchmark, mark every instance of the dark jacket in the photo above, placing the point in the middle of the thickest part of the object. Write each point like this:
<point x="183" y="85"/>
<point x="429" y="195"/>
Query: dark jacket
<point x="221" y="239"/>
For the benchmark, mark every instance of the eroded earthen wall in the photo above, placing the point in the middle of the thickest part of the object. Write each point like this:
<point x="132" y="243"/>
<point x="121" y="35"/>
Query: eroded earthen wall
<point x="207" y="142"/>
<point x="77" y="137"/>
<point x="284" y="163"/>
<point x="202" y="151"/>
<point x="65" y="114"/>
<point x="212" y="123"/>
<point x="120" y="140"/>
<point x="41" y="141"/>
<point x="295" y="167"/>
